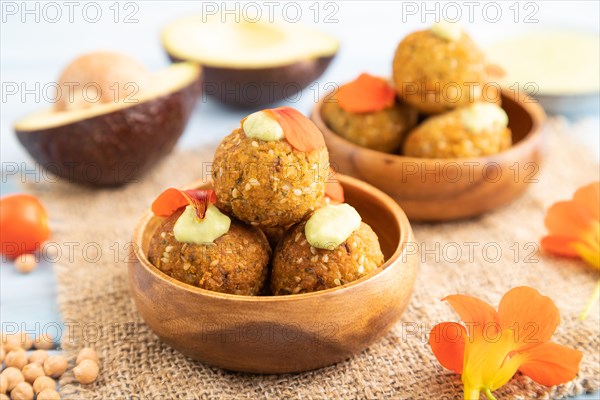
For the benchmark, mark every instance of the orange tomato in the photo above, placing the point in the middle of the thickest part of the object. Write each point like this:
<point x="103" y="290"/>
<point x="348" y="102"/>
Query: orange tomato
<point x="23" y="225"/>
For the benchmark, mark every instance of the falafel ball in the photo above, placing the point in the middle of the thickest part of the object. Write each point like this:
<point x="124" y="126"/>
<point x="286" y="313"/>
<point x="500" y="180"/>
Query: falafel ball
<point x="478" y="130"/>
<point x="268" y="183"/>
<point x="440" y="69"/>
<point x="381" y="130"/>
<point x="235" y="263"/>
<point x="299" y="267"/>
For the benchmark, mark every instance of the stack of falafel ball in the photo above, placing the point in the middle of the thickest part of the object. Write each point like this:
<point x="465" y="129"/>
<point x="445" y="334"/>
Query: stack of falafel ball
<point x="440" y="78"/>
<point x="275" y="223"/>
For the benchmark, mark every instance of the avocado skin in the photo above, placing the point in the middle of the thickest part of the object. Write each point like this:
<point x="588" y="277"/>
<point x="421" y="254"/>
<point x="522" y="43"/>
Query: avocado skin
<point x="254" y="87"/>
<point x="115" y="148"/>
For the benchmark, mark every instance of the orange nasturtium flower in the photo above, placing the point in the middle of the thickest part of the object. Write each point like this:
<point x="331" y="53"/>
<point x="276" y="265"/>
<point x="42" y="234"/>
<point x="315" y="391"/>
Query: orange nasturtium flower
<point x="574" y="230"/>
<point x="493" y="345"/>
<point x="574" y="226"/>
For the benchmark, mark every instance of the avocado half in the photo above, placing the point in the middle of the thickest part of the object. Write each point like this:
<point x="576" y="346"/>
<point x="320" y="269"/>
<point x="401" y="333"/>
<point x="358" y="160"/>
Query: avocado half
<point x="250" y="64"/>
<point x="113" y="143"/>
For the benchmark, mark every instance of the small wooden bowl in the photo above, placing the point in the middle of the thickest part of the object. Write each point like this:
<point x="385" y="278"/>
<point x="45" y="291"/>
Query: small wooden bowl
<point x="279" y="334"/>
<point x="447" y="189"/>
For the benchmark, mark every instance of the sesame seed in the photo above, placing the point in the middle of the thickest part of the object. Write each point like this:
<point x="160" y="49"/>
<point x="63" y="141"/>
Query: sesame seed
<point x="163" y="234"/>
<point x="271" y="152"/>
<point x="186" y="266"/>
<point x="337" y="282"/>
<point x="164" y="260"/>
<point x="235" y="193"/>
<point x="361" y="269"/>
<point x="247" y="187"/>
<point x="254" y="143"/>
<point x="297" y="192"/>
<point x="313" y="250"/>
<point x="298" y="236"/>
<point x="165" y="255"/>
<point x="325" y="258"/>
<point x="297" y="289"/>
<point x="361" y="260"/>
<point x="169" y="248"/>
<point x="314" y="259"/>
<point x="254" y="182"/>
<point x="214" y="263"/>
<point x="299" y="261"/>
<point x="297" y="279"/>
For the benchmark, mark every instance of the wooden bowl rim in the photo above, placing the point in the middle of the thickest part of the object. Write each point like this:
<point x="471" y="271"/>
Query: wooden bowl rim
<point x="526" y="102"/>
<point x="394" y="260"/>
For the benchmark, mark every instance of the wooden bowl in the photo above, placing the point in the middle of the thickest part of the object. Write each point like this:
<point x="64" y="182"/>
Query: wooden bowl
<point x="279" y="334"/>
<point x="446" y="189"/>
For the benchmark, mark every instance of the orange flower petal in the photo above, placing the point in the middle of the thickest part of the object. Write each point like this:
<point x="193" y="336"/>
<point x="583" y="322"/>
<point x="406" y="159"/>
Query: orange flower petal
<point x="589" y="254"/>
<point x="588" y="197"/>
<point x="476" y="314"/>
<point x="551" y="364"/>
<point x="333" y="188"/>
<point x="533" y="318"/>
<point x="447" y="341"/>
<point x="567" y="219"/>
<point x="172" y="199"/>
<point x="366" y="93"/>
<point x="301" y="133"/>
<point x="559" y="245"/>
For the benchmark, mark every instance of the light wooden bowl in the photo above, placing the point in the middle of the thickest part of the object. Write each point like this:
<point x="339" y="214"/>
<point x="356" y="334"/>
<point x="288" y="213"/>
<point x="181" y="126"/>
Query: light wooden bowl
<point x="279" y="334"/>
<point x="448" y="189"/>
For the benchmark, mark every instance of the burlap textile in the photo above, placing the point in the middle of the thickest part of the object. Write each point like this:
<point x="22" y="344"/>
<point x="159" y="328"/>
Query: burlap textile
<point x="135" y="364"/>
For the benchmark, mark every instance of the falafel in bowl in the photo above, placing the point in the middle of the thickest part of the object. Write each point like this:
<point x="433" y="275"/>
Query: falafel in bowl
<point x="474" y="147"/>
<point x="214" y="307"/>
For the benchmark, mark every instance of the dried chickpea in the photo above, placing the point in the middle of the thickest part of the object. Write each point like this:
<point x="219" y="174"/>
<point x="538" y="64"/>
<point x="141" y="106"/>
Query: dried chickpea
<point x="18" y="340"/>
<point x="12" y="342"/>
<point x="86" y="372"/>
<point x="43" y="383"/>
<point x="48" y="394"/>
<point x="25" y="263"/>
<point x="13" y="377"/>
<point x="43" y="342"/>
<point x="3" y="384"/>
<point x="55" y="366"/>
<point x="32" y="371"/>
<point x="38" y="356"/>
<point x="87" y="353"/>
<point x="23" y="391"/>
<point x="16" y="358"/>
